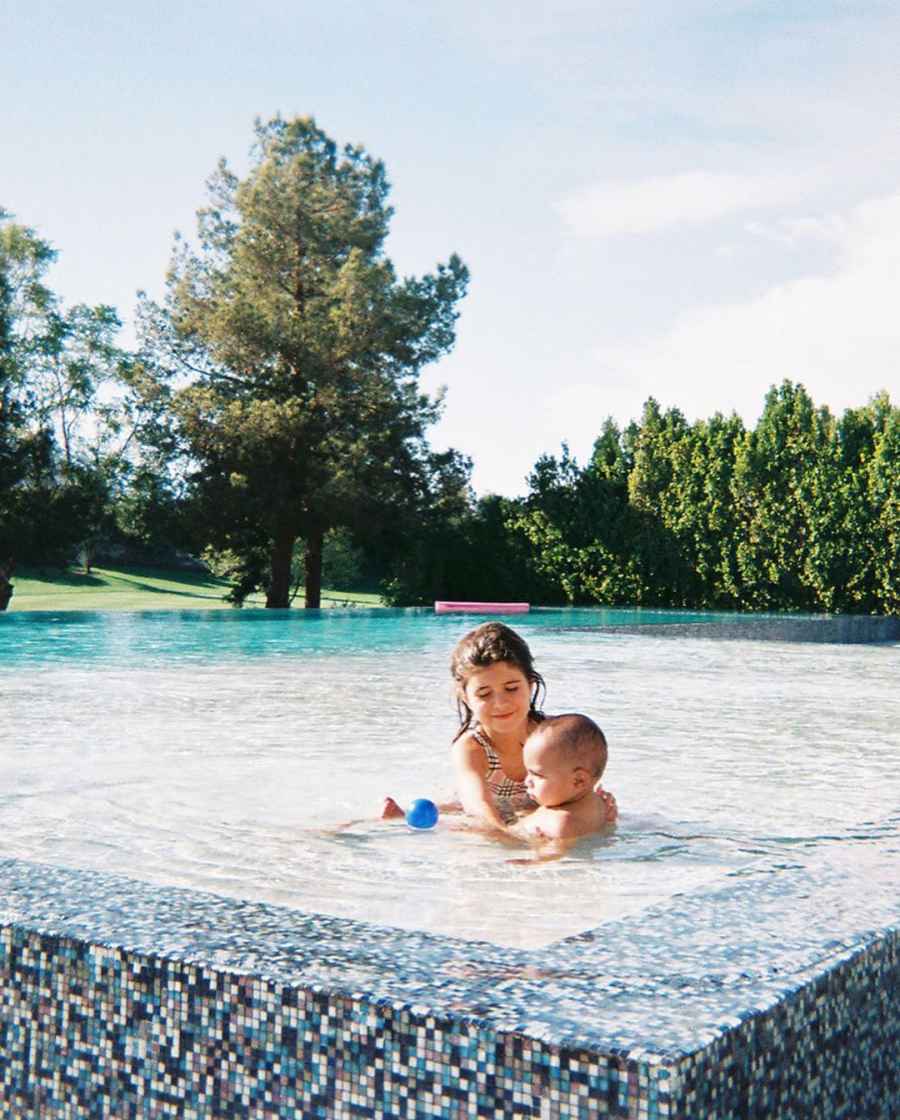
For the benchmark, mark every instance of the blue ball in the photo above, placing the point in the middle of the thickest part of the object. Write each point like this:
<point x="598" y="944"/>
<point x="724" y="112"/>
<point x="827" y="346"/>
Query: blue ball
<point x="422" y="813"/>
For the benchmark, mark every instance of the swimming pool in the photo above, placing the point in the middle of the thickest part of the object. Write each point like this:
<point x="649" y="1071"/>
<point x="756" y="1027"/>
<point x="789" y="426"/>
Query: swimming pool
<point x="215" y="752"/>
<point x="210" y="752"/>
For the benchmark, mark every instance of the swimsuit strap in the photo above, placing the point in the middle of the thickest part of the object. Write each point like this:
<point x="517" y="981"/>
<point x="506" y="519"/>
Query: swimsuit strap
<point x="502" y="786"/>
<point x="487" y="746"/>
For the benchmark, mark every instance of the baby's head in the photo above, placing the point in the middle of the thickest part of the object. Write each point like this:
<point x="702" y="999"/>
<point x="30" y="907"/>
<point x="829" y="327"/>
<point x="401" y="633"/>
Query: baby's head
<point x="565" y="757"/>
<point x="492" y="643"/>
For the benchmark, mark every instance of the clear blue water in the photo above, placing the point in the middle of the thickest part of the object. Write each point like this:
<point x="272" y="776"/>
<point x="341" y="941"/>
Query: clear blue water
<point x="142" y="637"/>
<point x="218" y="750"/>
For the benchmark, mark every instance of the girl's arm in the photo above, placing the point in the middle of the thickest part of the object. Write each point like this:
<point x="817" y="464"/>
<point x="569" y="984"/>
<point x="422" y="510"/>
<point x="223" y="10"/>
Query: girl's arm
<point x="470" y="767"/>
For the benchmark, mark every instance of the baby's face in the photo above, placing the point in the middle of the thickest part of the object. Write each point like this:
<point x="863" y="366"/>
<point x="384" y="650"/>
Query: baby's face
<point x="550" y="781"/>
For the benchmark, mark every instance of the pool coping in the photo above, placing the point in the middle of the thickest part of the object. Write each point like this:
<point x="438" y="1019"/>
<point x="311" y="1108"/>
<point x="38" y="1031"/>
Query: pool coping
<point x="655" y="986"/>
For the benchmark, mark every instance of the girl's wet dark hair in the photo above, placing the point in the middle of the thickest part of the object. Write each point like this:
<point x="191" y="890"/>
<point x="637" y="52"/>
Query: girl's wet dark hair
<point x="486" y="645"/>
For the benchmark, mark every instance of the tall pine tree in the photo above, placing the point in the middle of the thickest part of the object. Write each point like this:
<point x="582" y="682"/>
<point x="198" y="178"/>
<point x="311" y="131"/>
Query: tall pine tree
<point x="286" y="355"/>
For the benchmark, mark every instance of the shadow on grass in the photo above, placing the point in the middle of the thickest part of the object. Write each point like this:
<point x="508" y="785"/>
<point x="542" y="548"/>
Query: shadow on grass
<point x="152" y="581"/>
<point x="203" y="591"/>
<point x="201" y="585"/>
<point x="57" y="576"/>
<point x="117" y="580"/>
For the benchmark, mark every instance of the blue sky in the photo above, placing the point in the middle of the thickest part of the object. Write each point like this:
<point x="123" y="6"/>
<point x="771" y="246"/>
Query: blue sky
<point x="692" y="201"/>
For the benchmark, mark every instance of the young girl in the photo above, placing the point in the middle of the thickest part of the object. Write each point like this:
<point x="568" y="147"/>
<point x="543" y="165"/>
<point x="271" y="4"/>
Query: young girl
<point x="498" y="694"/>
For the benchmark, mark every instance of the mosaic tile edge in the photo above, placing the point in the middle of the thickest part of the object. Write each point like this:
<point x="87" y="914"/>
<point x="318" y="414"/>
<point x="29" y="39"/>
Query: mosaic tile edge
<point x="654" y="999"/>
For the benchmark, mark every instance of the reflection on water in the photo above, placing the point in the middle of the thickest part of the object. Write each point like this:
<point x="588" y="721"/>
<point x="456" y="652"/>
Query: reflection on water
<point x="226" y="764"/>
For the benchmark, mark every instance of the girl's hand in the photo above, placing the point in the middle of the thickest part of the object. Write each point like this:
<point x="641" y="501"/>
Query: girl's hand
<point x="609" y="801"/>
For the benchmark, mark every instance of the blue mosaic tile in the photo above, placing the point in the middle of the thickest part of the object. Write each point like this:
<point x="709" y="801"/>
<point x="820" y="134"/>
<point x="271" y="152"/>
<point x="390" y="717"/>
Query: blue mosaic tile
<point x="768" y="996"/>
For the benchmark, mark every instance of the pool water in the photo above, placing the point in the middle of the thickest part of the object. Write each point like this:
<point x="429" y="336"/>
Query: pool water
<point x="221" y="750"/>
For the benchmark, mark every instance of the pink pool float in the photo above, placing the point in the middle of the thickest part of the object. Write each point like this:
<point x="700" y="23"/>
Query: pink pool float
<point x="446" y="606"/>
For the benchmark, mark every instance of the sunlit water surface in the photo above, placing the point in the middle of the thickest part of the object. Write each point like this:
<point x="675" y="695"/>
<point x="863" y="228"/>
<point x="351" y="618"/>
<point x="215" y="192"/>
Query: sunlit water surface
<point x="220" y="750"/>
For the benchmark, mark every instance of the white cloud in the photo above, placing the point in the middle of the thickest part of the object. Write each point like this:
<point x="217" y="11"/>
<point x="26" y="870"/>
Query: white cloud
<point x="796" y="232"/>
<point x="838" y="333"/>
<point x="666" y="201"/>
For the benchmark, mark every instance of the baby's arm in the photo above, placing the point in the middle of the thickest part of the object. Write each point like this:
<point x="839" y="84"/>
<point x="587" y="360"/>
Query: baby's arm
<point x="546" y="823"/>
<point x="470" y="768"/>
<point x="545" y="830"/>
<point x="552" y="831"/>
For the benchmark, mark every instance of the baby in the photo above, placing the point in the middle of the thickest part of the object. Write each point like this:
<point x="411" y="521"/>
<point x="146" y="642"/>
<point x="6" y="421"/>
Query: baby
<point x="565" y="757"/>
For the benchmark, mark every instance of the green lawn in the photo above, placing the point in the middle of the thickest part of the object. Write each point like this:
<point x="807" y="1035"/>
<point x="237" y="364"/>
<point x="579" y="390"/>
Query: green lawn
<point x="140" y="589"/>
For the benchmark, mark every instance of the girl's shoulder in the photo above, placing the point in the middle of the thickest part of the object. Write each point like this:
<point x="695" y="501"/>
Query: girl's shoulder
<point x="473" y="736"/>
<point x="469" y="748"/>
<point x="470" y="739"/>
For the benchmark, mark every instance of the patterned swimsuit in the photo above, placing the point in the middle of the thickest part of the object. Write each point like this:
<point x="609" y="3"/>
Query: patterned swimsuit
<point x="510" y="795"/>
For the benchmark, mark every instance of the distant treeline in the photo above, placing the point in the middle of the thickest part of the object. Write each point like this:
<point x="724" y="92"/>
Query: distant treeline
<point x="271" y="421"/>
<point x="799" y="513"/>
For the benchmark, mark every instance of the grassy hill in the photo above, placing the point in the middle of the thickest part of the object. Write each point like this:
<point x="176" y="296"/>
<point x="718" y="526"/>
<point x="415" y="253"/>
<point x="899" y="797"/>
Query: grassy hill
<point x="140" y="589"/>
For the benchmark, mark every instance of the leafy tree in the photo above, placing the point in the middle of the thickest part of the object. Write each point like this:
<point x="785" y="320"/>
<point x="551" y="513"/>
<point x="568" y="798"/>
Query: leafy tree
<point x="853" y="573"/>
<point x="884" y="500"/>
<point x="586" y="538"/>
<point x="73" y="356"/>
<point x="24" y="259"/>
<point x="11" y="469"/>
<point x="421" y="545"/>
<point x="551" y="520"/>
<point x="76" y="355"/>
<point x="343" y="563"/>
<point x="783" y="484"/>
<point x="612" y="457"/>
<point x="665" y="484"/>
<point x="284" y="361"/>
<point x="55" y="477"/>
<point x="865" y="504"/>
<point x="695" y="508"/>
<point x="713" y="517"/>
<point x="800" y="513"/>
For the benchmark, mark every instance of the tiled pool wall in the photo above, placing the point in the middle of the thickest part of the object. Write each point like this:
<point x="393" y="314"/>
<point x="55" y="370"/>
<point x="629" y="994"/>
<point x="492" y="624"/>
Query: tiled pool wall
<point x="828" y="1050"/>
<point x="110" y="1033"/>
<point x="120" y="999"/>
<point x="834" y="629"/>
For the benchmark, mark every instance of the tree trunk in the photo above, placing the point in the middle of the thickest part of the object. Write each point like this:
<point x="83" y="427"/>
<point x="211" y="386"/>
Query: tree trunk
<point x="314" y="568"/>
<point x="6" y="587"/>
<point x="279" y="594"/>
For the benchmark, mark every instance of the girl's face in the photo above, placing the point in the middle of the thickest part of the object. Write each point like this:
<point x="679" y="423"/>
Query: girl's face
<point x="499" y="697"/>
